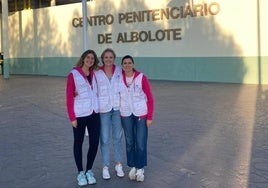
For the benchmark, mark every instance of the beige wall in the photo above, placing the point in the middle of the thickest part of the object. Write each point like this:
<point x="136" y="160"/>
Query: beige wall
<point x="201" y="40"/>
<point x="233" y="31"/>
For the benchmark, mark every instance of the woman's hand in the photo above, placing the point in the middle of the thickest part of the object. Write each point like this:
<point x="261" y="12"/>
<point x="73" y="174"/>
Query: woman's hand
<point x="149" y="122"/>
<point x="74" y="123"/>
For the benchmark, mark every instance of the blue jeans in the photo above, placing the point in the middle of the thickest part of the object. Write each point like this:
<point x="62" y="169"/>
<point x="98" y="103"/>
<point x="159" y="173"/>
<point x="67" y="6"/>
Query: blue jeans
<point x="136" y="135"/>
<point x="111" y="121"/>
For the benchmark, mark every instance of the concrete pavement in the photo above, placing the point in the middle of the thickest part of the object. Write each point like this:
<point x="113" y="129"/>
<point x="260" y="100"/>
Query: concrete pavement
<point x="205" y="135"/>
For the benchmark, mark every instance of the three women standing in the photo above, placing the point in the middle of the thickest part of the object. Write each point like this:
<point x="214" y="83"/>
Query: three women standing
<point x="99" y="100"/>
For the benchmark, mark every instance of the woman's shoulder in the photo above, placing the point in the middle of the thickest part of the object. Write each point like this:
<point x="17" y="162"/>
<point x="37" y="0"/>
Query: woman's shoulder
<point x="99" y="71"/>
<point x="137" y="73"/>
<point x="118" y="68"/>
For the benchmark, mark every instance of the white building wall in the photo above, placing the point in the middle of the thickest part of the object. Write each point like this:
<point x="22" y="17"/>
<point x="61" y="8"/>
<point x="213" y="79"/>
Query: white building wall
<point x="222" y="40"/>
<point x="231" y="32"/>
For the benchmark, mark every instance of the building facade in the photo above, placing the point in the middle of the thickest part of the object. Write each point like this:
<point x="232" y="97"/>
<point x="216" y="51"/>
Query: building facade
<point x="182" y="40"/>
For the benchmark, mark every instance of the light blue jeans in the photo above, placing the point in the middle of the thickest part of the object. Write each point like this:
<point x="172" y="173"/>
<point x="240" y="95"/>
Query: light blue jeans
<point x="136" y="135"/>
<point x="111" y="122"/>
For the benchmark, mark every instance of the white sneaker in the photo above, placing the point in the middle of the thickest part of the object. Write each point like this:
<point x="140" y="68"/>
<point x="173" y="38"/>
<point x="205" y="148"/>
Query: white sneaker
<point x="105" y="173"/>
<point x="119" y="170"/>
<point x="140" y="175"/>
<point x="132" y="173"/>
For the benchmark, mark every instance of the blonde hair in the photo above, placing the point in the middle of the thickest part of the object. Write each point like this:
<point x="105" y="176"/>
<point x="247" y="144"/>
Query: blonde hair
<point x="107" y="50"/>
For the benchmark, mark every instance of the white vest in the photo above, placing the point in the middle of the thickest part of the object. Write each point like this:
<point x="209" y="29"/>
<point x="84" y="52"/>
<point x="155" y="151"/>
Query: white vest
<point x="133" y="99"/>
<point x="86" y="101"/>
<point x="108" y="90"/>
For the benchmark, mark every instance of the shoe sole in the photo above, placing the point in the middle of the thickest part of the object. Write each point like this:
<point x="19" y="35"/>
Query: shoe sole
<point x="106" y="178"/>
<point x="91" y="183"/>
<point x="120" y="176"/>
<point x="132" y="179"/>
<point x="82" y="185"/>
